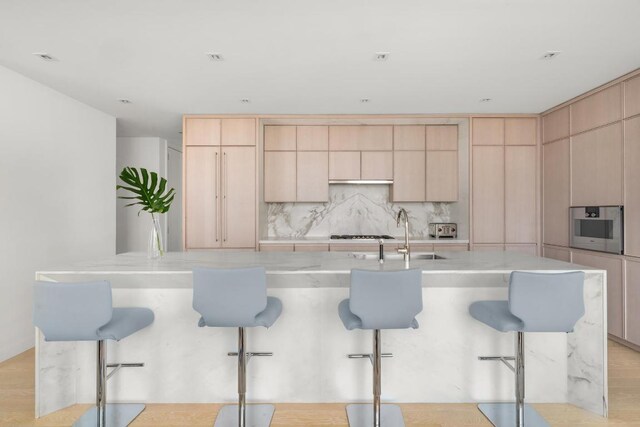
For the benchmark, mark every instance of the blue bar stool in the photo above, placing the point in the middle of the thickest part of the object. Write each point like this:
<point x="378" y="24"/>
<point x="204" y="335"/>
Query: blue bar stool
<point x="538" y="302"/>
<point x="380" y="300"/>
<point x="84" y="312"/>
<point x="237" y="298"/>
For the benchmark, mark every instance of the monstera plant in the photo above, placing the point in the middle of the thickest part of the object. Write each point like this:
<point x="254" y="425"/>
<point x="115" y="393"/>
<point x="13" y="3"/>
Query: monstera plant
<point x="149" y="191"/>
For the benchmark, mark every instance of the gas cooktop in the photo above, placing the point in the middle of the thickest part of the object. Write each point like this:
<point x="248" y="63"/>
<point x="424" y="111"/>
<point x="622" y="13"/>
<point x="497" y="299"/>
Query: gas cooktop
<point x="361" y="236"/>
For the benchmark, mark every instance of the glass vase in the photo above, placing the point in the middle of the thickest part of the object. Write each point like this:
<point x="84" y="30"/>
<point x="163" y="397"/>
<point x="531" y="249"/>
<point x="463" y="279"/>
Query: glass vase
<point x="155" y="248"/>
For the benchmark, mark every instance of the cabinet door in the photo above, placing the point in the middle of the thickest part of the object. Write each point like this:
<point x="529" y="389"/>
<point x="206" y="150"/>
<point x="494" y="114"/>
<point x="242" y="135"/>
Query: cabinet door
<point x="632" y="311"/>
<point x="238" y="132"/>
<point x="376" y="165"/>
<point x="280" y="138"/>
<point x="311" y="247"/>
<point x="312" y="184"/>
<point x="442" y="176"/>
<point x="279" y="176"/>
<point x="409" y="176"/>
<point x="488" y="194"/>
<point x="239" y="197"/>
<point x="360" y="137"/>
<point x="344" y="165"/>
<point x="276" y="247"/>
<point x="201" y="131"/>
<point x="615" y="292"/>
<point x="556" y="125"/>
<point x="488" y="131"/>
<point x="596" y="167"/>
<point x="409" y="138"/>
<point x="555" y="215"/>
<point x="632" y="187"/>
<point x="632" y="97"/>
<point x="201" y="220"/>
<point x="559" y="254"/>
<point x="313" y="138"/>
<point x="520" y="131"/>
<point x="486" y="247"/>
<point x="531" y="249"/>
<point x="520" y="194"/>
<point x="443" y="137"/>
<point x="596" y="110"/>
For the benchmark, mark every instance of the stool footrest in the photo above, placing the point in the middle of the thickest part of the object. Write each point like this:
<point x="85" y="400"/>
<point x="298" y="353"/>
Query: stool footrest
<point x="503" y="359"/>
<point x="367" y="356"/>
<point x="251" y="354"/>
<point x="117" y="367"/>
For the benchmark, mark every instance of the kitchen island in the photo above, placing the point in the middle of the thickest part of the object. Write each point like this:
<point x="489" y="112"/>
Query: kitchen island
<point x="436" y="363"/>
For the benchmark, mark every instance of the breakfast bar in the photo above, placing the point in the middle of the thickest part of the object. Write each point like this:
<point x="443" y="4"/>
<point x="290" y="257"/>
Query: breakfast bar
<point x="436" y="363"/>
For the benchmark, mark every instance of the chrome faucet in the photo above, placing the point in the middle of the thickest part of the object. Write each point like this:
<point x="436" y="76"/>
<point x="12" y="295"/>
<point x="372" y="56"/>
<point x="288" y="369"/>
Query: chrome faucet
<point x="402" y="215"/>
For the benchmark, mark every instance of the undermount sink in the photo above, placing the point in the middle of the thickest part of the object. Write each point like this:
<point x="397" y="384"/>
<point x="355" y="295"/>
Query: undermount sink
<point x="390" y="257"/>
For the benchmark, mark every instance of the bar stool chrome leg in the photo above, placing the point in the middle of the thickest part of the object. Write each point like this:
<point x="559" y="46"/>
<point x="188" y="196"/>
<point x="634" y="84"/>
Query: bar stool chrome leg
<point x="513" y="414"/>
<point x="108" y="414"/>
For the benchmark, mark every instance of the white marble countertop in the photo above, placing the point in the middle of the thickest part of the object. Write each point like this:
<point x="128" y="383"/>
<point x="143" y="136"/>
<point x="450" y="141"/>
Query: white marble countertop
<point x="292" y="263"/>
<point x="327" y="240"/>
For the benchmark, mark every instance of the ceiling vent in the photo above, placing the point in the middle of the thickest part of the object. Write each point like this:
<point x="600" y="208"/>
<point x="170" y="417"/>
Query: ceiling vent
<point x="215" y="56"/>
<point x="381" y="56"/>
<point x="485" y="100"/>
<point x="245" y="100"/>
<point x="124" y="101"/>
<point x="552" y="54"/>
<point x="45" y="56"/>
<point x="365" y="100"/>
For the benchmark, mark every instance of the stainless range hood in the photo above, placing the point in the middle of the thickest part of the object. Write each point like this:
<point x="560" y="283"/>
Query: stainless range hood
<point x="362" y="181"/>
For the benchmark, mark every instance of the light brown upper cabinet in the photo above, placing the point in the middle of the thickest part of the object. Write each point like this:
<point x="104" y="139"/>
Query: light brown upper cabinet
<point x="442" y="176"/>
<point x="360" y="138"/>
<point x="201" y="131"/>
<point x="596" y="167"/>
<point x="312" y="179"/>
<point x="488" y="194"/>
<point x="632" y="302"/>
<point x="519" y="194"/>
<point x="632" y="97"/>
<point x="409" y="137"/>
<point x="556" y="190"/>
<point x="238" y="132"/>
<point x="238" y="181"/>
<point x="280" y="138"/>
<point x="409" y="176"/>
<point x="555" y="125"/>
<point x="313" y="138"/>
<point x="376" y="165"/>
<point x="279" y="176"/>
<point x="488" y="131"/>
<point x="632" y="188"/>
<point x="596" y="110"/>
<point x="520" y="131"/>
<point x="344" y="165"/>
<point x="442" y="137"/>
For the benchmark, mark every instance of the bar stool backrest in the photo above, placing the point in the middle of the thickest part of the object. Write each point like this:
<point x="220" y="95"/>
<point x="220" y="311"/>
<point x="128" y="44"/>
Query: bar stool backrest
<point x="547" y="302"/>
<point x="229" y="297"/>
<point x="71" y="311"/>
<point x="386" y="299"/>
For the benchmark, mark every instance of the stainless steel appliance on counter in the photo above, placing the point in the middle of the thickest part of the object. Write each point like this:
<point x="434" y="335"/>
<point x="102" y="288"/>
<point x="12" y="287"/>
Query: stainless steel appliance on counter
<point x="597" y="228"/>
<point x="448" y="230"/>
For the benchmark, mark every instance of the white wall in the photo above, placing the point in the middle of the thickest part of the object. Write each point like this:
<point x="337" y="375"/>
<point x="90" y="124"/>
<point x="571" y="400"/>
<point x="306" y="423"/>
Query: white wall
<point x="132" y="230"/>
<point x="57" y="194"/>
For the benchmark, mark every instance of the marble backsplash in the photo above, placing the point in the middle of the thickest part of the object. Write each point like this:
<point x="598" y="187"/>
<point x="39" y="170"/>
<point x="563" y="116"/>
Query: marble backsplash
<point x="360" y="209"/>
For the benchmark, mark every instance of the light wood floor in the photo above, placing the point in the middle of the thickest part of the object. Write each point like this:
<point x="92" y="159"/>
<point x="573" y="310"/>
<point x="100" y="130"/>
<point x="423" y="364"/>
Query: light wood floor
<point x="17" y="403"/>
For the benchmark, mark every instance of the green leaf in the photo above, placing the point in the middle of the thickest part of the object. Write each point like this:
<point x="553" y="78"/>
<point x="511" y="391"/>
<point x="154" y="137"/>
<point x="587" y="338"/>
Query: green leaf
<point x="147" y="188"/>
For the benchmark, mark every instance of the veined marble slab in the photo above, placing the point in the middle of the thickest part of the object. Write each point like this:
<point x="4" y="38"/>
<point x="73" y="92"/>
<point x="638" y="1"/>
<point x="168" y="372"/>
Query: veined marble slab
<point x="435" y="363"/>
<point x="327" y="240"/>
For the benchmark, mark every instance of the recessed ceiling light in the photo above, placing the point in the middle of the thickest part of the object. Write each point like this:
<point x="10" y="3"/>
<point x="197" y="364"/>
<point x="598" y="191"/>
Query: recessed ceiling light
<point x="124" y="101"/>
<point x="552" y="54"/>
<point x="485" y="100"/>
<point x="365" y="100"/>
<point x="45" y="56"/>
<point x="214" y="56"/>
<point x="381" y="56"/>
<point x="245" y="100"/>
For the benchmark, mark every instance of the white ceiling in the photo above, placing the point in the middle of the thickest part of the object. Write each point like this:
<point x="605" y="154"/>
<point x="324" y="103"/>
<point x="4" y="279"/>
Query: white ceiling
<point x="303" y="56"/>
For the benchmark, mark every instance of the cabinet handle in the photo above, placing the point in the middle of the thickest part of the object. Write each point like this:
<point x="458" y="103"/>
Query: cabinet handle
<point x="224" y="195"/>
<point x="216" y="189"/>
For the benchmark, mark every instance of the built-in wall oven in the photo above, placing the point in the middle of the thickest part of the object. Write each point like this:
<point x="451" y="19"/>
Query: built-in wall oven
<point x="597" y="228"/>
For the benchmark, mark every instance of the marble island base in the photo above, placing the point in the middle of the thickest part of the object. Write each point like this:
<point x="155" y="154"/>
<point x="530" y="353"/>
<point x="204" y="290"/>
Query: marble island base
<point x="436" y="363"/>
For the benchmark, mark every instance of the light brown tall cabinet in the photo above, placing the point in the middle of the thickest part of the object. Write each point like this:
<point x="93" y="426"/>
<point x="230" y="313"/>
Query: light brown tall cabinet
<point x="504" y="183"/>
<point x="219" y="183"/>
